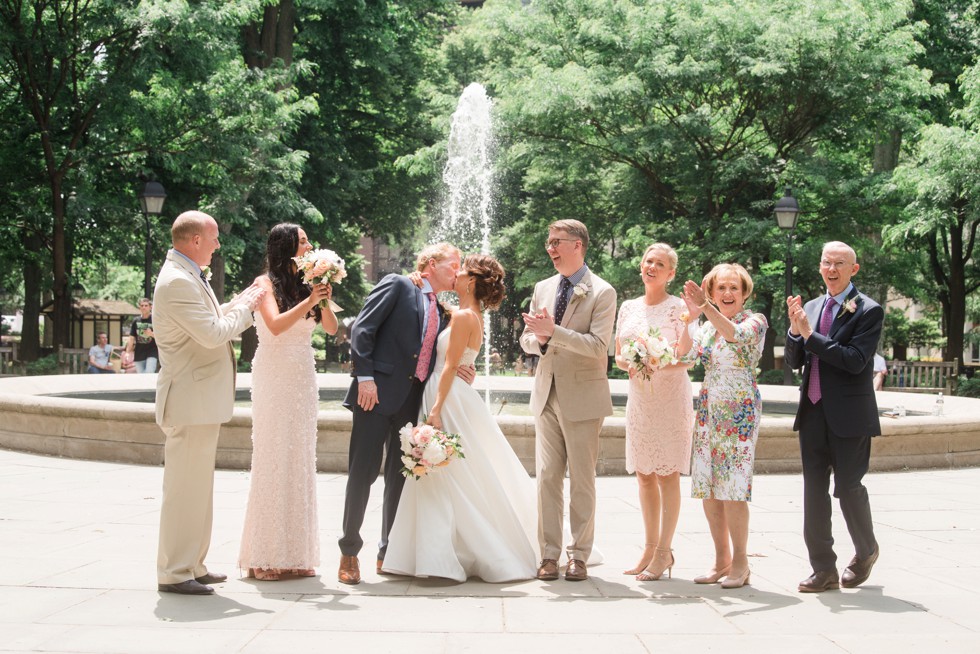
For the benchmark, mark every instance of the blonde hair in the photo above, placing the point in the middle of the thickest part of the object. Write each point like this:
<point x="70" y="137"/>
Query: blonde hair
<point x="666" y="249"/>
<point x="437" y="251"/>
<point x="574" y="228"/>
<point x="188" y="225"/>
<point x="712" y="277"/>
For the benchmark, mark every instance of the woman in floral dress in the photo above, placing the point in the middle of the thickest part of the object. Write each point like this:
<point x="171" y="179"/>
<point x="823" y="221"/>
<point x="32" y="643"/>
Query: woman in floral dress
<point x="729" y="408"/>
<point x="659" y="414"/>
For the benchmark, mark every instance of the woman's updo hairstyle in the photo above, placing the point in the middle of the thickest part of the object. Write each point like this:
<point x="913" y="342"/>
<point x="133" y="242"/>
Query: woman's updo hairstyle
<point x="488" y="276"/>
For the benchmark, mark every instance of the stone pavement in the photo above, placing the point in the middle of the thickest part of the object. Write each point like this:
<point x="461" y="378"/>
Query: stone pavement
<point x="78" y="546"/>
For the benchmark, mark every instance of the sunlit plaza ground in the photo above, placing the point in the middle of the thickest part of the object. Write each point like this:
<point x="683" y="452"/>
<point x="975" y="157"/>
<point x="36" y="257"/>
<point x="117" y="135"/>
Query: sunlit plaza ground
<point x="78" y="546"/>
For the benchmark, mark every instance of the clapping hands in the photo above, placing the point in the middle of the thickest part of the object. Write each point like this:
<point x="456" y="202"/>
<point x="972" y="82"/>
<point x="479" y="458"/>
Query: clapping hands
<point x="250" y="297"/>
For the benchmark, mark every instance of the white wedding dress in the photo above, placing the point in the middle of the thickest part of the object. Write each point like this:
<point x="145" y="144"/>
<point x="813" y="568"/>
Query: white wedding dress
<point x="477" y="516"/>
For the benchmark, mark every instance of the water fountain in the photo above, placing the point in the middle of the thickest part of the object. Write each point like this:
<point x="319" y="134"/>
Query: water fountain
<point x="468" y="207"/>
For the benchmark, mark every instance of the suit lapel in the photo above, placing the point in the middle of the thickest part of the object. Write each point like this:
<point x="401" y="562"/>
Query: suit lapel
<point x="575" y="300"/>
<point x="181" y="263"/>
<point x="842" y="314"/>
<point x="420" y="305"/>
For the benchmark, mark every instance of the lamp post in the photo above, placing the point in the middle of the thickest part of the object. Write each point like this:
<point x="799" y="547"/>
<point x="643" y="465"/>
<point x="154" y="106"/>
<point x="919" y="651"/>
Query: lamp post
<point x="787" y="212"/>
<point x="151" y="202"/>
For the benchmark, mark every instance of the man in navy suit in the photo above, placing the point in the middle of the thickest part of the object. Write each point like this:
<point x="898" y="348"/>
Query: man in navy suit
<point x="386" y="341"/>
<point x="835" y="337"/>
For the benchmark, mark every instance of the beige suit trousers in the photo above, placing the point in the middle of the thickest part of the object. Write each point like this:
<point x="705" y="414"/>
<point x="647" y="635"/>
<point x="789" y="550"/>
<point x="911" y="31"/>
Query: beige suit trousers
<point x="188" y="501"/>
<point x="562" y="443"/>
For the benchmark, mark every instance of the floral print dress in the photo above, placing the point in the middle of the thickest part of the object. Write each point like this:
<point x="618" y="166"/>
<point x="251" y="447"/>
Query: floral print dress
<point x="729" y="408"/>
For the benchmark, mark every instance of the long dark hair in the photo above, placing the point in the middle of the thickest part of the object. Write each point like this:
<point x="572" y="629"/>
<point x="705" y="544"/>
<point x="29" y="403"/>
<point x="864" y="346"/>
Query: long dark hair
<point x="287" y="282"/>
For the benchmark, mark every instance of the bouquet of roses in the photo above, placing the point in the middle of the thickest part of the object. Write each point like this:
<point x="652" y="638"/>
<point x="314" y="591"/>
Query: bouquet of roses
<point x="424" y="447"/>
<point x="321" y="267"/>
<point x="649" y="352"/>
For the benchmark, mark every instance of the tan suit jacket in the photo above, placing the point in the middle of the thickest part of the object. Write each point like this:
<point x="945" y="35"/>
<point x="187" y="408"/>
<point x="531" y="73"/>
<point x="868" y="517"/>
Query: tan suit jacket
<point x="578" y="353"/>
<point x="196" y="384"/>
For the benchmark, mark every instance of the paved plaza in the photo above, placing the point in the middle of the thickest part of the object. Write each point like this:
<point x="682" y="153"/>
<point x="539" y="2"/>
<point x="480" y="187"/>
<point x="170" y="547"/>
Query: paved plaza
<point x="78" y="549"/>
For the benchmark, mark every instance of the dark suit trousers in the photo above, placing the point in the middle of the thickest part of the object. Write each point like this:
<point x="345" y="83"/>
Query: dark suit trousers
<point x="371" y="435"/>
<point x="823" y="451"/>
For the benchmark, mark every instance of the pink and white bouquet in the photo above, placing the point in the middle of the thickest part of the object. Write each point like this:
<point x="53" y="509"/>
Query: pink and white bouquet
<point x="321" y="267"/>
<point x="424" y="447"/>
<point x="648" y="352"/>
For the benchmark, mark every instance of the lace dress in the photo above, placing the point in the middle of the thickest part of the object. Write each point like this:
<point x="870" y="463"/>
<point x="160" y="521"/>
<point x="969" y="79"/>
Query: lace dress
<point x="476" y="516"/>
<point x="729" y="410"/>
<point x="281" y="518"/>
<point x="659" y="411"/>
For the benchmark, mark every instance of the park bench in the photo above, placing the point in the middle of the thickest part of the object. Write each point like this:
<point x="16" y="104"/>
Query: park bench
<point x="9" y="361"/>
<point x="72" y="360"/>
<point x="922" y="376"/>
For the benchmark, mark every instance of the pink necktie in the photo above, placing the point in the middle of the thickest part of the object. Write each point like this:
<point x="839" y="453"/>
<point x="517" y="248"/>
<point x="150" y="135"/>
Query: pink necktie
<point x="826" y="318"/>
<point x="429" y="340"/>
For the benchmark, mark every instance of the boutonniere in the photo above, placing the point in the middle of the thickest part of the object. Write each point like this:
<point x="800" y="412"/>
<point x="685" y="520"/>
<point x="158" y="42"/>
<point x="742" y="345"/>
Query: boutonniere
<point x="206" y="273"/>
<point x="849" y="306"/>
<point x="580" y="290"/>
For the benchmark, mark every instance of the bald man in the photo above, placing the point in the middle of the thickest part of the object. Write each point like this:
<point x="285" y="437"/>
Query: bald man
<point x="195" y="394"/>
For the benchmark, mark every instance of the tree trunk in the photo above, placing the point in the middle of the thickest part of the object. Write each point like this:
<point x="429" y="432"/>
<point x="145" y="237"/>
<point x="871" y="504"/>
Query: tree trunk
<point x="61" y="310"/>
<point x="956" y="318"/>
<point x="273" y="39"/>
<point x="30" y="337"/>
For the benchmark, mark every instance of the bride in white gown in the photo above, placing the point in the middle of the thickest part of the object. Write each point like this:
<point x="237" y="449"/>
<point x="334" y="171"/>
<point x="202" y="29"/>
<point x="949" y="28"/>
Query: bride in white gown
<point x="476" y="516"/>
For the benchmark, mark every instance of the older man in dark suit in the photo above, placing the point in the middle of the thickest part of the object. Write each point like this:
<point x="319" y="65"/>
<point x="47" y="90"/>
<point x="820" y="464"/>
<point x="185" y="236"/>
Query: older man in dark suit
<point x="837" y="416"/>
<point x="392" y="353"/>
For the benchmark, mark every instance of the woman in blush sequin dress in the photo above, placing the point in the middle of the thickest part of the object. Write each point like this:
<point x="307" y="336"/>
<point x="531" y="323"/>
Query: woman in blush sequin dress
<point x="280" y="535"/>
<point x="659" y="413"/>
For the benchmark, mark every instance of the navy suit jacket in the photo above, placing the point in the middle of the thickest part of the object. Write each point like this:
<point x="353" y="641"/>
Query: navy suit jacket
<point x="385" y="341"/>
<point x="846" y="364"/>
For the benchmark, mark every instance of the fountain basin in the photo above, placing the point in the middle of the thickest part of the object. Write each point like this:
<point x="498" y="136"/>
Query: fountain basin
<point x="35" y="418"/>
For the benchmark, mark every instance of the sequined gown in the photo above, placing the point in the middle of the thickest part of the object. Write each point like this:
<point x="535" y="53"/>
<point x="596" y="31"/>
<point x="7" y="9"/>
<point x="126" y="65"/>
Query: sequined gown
<point x="281" y="518"/>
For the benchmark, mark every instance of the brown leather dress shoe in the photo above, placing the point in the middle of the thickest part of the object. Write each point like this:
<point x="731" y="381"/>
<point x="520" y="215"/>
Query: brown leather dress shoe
<point x="858" y="571"/>
<point x="211" y="578"/>
<point x="381" y="563"/>
<point x="820" y="581"/>
<point x="189" y="587"/>
<point x="548" y="570"/>
<point x="350" y="571"/>
<point x="576" y="571"/>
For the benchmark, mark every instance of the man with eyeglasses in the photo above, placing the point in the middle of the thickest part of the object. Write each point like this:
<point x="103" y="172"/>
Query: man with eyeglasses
<point x="834" y="337"/>
<point x="569" y="326"/>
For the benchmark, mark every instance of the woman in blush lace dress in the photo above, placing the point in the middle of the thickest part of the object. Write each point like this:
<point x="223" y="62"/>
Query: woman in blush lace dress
<point x="475" y="516"/>
<point x="280" y="536"/>
<point x="729" y="346"/>
<point x="659" y="411"/>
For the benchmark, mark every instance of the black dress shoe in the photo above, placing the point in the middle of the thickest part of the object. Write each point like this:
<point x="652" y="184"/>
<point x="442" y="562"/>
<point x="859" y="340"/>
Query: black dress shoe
<point x="189" y="587"/>
<point x="820" y="581"/>
<point x="858" y="571"/>
<point x="211" y="578"/>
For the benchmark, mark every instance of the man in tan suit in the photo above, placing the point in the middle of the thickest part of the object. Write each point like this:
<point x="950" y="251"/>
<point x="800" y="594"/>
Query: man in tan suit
<point x="569" y="325"/>
<point x="195" y="394"/>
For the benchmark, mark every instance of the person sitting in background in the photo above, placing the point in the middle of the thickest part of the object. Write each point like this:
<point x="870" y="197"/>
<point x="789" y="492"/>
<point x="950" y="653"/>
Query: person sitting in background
<point x="880" y="371"/>
<point x="98" y="355"/>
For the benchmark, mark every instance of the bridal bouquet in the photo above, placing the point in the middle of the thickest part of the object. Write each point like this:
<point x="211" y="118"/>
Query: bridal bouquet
<point x="321" y="267"/>
<point x="424" y="447"/>
<point x="649" y="352"/>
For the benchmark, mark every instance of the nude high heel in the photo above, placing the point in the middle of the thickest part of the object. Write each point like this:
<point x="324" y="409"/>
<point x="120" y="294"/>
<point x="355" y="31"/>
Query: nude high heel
<point x="652" y="575"/>
<point x="644" y="562"/>
<point x="736" y="582"/>
<point x="713" y="578"/>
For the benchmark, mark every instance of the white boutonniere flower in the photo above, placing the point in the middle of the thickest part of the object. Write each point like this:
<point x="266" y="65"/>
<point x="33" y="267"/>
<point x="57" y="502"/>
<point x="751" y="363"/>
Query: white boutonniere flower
<point x="850" y="306"/>
<point x="206" y="271"/>
<point x="580" y="290"/>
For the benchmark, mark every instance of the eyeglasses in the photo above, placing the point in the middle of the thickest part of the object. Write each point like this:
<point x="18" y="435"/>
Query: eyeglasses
<point x="835" y="264"/>
<point x="552" y="244"/>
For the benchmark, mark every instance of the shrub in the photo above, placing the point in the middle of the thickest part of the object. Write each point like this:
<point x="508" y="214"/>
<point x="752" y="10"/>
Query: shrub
<point x="44" y="366"/>
<point x="968" y="387"/>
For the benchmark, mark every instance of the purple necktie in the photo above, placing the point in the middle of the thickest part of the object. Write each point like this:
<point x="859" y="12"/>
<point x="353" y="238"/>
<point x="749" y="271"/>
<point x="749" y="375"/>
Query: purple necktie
<point x="826" y="318"/>
<point x="429" y="340"/>
<point x="561" y="302"/>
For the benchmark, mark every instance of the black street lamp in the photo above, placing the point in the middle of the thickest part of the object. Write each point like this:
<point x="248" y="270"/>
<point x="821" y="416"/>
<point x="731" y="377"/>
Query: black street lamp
<point x="151" y="202"/>
<point x="787" y="212"/>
